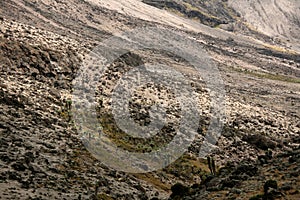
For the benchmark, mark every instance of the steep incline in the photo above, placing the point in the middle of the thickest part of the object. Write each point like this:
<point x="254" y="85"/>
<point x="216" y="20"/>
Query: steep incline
<point x="278" y="18"/>
<point x="42" y="45"/>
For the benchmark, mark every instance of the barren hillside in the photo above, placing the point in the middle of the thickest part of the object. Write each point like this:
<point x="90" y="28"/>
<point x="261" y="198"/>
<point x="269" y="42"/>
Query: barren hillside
<point x="254" y="47"/>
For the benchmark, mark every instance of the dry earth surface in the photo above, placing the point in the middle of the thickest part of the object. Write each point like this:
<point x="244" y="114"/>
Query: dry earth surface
<point x="255" y="46"/>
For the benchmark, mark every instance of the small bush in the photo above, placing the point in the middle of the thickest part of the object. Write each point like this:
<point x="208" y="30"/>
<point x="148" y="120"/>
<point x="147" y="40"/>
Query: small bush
<point x="270" y="184"/>
<point x="179" y="190"/>
<point x="259" y="141"/>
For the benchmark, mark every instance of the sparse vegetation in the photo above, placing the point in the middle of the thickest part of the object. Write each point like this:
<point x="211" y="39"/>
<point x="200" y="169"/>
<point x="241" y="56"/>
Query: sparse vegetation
<point x="211" y="165"/>
<point x="268" y="185"/>
<point x="179" y="190"/>
<point x="103" y="196"/>
<point x="270" y="76"/>
<point x="43" y="152"/>
<point x="267" y="195"/>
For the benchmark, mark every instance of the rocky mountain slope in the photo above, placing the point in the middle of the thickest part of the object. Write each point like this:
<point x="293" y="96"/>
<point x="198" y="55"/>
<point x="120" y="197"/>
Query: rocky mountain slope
<point x="271" y="21"/>
<point x="43" y="44"/>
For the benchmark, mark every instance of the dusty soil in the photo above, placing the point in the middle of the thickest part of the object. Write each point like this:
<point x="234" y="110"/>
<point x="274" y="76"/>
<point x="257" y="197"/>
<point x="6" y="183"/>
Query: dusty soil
<point x="43" y="43"/>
